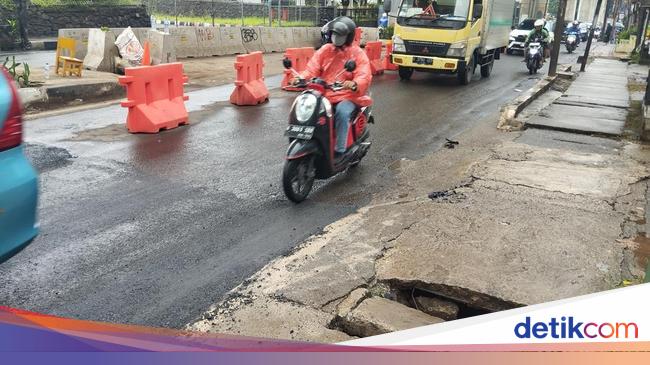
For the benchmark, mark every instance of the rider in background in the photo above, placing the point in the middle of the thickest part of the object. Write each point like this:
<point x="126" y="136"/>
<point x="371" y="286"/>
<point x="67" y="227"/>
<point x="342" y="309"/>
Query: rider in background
<point x="574" y="28"/>
<point x="538" y="32"/>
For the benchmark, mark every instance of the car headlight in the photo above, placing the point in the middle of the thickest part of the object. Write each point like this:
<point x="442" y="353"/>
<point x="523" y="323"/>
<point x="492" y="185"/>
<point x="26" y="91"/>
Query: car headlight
<point x="398" y="44"/>
<point x="457" y="49"/>
<point x="512" y="39"/>
<point x="304" y="106"/>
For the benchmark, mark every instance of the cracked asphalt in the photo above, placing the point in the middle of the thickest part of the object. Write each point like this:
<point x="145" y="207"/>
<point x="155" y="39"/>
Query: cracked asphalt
<point x="153" y="229"/>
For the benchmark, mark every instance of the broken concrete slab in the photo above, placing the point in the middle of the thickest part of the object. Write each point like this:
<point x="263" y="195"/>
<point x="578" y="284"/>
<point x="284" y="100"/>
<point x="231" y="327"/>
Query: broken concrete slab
<point x="593" y="119"/>
<point x="521" y="246"/>
<point x="596" y="175"/>
<point x="351" y="302"/>
<point x="376" y="316"/>
<point x="340" y="260"/>
<point x="272" y="319"/>
<point x="580" y="143"/>
<point x="437" y="307"/>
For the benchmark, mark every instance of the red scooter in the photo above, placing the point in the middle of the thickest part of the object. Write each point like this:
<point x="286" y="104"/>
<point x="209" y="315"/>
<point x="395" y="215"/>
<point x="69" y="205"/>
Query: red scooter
<point x="312" y="137"/>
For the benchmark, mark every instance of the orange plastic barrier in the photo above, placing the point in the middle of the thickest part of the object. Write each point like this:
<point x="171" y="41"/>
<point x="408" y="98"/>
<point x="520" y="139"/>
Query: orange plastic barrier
<point x="299" y="58"/>
<point x="388" y="61"/>
<point x="249" y="83"/>
<point x="373" y="50"/>
<point x="154" y="96"/>
<point x="357" y="36"/>
<point x="146" y="56"/>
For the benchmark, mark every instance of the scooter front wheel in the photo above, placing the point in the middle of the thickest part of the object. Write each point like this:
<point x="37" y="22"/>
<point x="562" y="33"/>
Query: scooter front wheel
<point x="298" y="178"/>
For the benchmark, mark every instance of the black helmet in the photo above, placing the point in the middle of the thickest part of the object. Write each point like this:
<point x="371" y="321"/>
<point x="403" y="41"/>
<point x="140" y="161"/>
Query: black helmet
<point x="342" y="31"/>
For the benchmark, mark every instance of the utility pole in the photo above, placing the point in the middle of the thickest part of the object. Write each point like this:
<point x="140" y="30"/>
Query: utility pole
<point x="642" y="24"/>
<point x="577" y="10"/>
<point x="604" y="27"/>
<point x="559" y="29"/>
<point x="615" y="13"/>
<point x="591" y="36"/>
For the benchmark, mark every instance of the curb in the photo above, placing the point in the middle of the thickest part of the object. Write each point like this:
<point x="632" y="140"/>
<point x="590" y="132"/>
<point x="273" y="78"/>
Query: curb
<point x="44" y="45"/>
<point x="508" y="119"/>
<point x="59" y="96"/>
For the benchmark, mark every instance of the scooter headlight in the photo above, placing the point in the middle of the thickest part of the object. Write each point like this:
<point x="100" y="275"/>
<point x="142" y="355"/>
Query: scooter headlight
<point x="304" y="106"/>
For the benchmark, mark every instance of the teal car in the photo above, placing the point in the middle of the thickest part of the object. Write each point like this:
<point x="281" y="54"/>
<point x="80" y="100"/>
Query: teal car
<point x="18" y="179"/>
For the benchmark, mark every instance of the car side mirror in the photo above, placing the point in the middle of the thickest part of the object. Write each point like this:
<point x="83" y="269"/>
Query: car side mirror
<point x="350" y="65"/>
<point x="286" y="63"/>
<point x="387" y="6"/>
<point x="478" y="11"/>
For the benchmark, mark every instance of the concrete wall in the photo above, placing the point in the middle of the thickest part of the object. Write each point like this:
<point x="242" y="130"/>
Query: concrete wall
<point x="47" y="21"/>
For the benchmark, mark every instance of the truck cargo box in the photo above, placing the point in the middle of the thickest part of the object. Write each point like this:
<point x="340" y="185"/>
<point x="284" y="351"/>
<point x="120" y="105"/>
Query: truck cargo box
<point x="497" y="16"/>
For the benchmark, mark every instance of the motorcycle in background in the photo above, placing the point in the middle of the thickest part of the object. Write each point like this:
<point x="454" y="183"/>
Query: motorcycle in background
<point x="534" y="57"/>
<point x="571" y="42"/>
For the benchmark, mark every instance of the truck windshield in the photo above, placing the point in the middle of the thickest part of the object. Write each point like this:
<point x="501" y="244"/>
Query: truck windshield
<point x="434" y="13"/>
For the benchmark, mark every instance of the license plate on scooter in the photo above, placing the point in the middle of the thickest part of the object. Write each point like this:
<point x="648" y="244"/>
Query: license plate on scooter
<point x="299" y="131"/>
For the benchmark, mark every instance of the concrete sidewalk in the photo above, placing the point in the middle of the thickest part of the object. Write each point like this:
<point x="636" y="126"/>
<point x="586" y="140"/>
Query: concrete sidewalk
<point x="596" y="102"/>
<point x="500" y="221"/>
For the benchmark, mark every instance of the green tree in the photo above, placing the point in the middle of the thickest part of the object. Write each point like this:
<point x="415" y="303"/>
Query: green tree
<point x="552" y="6"/>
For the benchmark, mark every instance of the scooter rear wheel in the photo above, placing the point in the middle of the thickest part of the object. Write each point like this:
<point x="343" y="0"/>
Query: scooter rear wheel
<point x="298" y="178"/>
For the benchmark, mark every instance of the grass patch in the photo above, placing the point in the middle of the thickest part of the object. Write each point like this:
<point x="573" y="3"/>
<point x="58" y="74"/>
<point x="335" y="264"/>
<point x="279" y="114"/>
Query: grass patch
<point x="249" y="21"/>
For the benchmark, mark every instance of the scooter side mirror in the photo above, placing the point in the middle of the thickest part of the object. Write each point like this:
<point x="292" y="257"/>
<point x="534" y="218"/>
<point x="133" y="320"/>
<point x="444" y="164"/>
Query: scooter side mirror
<point x="350" y="65"/>
<point x="287" y="63"/>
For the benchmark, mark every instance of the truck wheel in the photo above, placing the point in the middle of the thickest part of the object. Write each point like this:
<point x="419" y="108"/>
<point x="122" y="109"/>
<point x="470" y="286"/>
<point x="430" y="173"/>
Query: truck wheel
<point x="465" y="73"/>
<point x="486" y="70"/>
<point x="405" y="73"/>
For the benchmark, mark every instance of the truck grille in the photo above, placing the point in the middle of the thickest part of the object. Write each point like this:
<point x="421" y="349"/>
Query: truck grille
<point x="426" y="48"/>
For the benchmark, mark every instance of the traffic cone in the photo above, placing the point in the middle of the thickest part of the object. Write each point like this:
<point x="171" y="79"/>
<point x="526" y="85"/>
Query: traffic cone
<point x="146" y="57"/>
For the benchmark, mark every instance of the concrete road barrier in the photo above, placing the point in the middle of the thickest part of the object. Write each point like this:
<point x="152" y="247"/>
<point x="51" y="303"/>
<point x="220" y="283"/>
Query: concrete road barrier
<point x="271" y="40"/>
<point x="162" y="47"/>
<point x="314" y="37"/>
<point x="285" y="38"/>
<point x="209" y="41"/>
<point x="300" y="37"/>
<point x="101" y="51"/>
<point x="231" y="41"/>
<point x="184" y="41"/>
<point x="80" y="35"/>
<point x="369" y="35"/>
<point x="252" y="39"/>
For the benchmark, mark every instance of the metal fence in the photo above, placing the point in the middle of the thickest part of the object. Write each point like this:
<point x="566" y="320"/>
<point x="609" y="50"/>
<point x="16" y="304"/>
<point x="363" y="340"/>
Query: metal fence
<point x="274" y="12"/>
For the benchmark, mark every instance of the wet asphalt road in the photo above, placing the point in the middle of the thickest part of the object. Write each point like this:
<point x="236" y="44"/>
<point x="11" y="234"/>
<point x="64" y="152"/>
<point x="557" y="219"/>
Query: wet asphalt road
<point x="153" y="229"/>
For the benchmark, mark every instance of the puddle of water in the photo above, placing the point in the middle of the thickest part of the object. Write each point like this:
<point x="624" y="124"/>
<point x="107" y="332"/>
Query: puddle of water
<point x="110" y="133"/>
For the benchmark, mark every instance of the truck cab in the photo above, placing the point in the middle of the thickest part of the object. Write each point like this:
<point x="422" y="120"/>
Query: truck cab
<point x="450" y="36"/>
